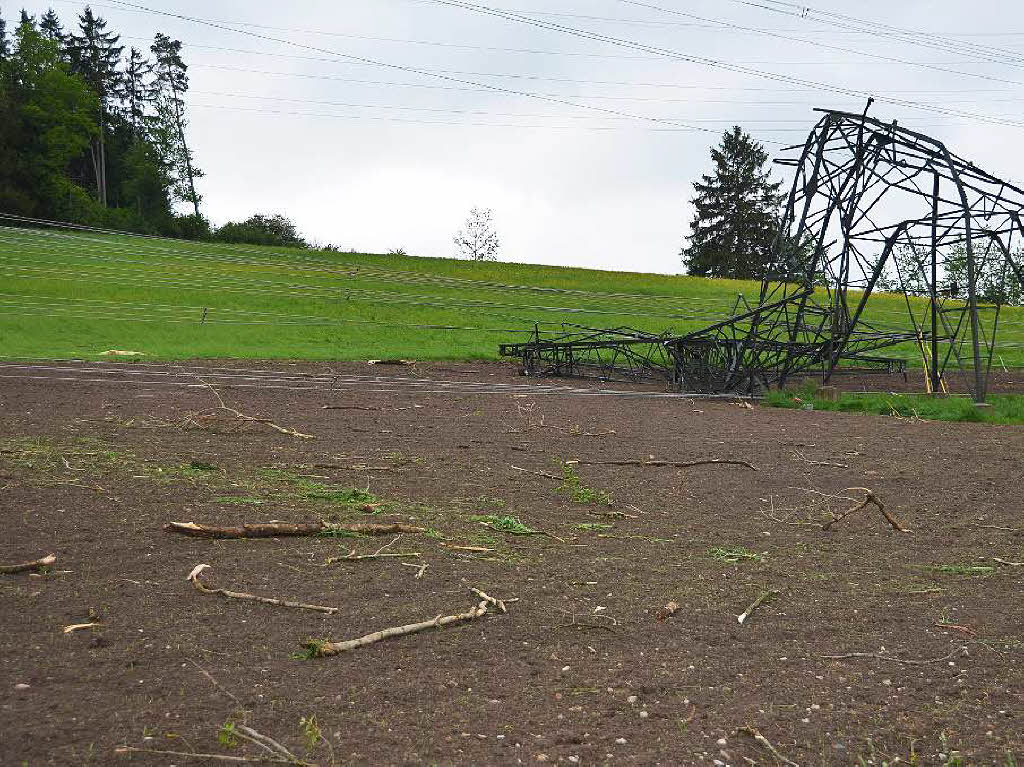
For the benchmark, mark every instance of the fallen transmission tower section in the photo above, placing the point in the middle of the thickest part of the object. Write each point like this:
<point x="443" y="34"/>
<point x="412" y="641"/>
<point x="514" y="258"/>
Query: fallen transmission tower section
<point x="873" y="205"/>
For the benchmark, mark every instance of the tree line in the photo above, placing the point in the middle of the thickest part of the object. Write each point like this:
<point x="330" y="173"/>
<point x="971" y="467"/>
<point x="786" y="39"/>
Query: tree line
<point x="95" y="134"/>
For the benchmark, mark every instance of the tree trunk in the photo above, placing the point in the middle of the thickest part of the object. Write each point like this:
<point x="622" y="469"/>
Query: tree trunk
<point x="184" y="149"/>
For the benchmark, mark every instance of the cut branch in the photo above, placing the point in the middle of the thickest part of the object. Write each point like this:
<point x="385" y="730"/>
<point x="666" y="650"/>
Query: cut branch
<point x="252" y="419"/>
<point x="766" y="744"/>
<point x="285" y="529"/>
<point x="674" y="464"/>
<point x="892" y="659"/>
<point x="201" y="588"/>
<point x="869" y="500"/>
<point x="323" y="649"/>
<point x="218" y="757"/>
<point x="35" y="564"/>
<point x="755" y="604"/>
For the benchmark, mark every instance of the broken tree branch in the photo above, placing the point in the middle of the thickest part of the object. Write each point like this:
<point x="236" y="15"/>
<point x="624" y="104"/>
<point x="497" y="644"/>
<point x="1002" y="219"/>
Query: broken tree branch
<point x="319" y="649"/>
<point x="755" y="604"/>
<point x="766" y="744"/>
<point x="378" y="554"/>
<point x="35" y="564"/>
<point x="252" y="419"/>
<point x="673" y="464"/>
<point x="198" y="569"/>
<point x="869" y="500"/>
<point x="892" y="659"/>
<point x="540" y="473"/>
<point x="284" y="529"/>
<point x="218" y="757"/>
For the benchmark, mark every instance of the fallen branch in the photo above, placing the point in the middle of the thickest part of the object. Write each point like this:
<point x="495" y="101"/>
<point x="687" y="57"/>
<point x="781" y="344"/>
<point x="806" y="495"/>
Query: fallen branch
<point x="78" y="627"/>
<point x="242" y="416"/>
<point x="319" y="649"/>
<point x="540" y="474"/>
<point x="673" y="464"/>
<point x="35" y="564"/>
<point x="957" y="627"/>
<point x="198" y="569"/>
<point x="420" y="569"/>
<point x="812" y="462"/>
<point x="378" y="554"/>
<point x="285" y="529"/>
<point x="755" y="604"/>
<point x="892" y="659"/>
<point x="766" y="744"/>
<point x="869" y="500"/>
<point x="1006" y="563"/>
<point x="218" y="757"/>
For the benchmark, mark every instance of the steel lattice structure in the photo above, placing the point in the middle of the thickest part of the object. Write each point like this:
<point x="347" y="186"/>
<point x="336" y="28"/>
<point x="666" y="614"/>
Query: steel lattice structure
<point x="862" y="191"/>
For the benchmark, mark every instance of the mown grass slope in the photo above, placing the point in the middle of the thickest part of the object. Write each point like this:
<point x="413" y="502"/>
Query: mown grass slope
<point x="65" y="294"/>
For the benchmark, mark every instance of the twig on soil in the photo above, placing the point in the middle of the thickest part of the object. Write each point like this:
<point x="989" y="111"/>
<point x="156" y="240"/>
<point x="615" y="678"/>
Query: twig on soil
<point x="475" y="549"/>
<point x="673" y="464"/>
<point x="378" y="554"/>
<point x="1006" y="563"/>
<point x="766" y="744"/>
<point x="540" y="474"/>
<point x="956" y="627"/>
<point x="218" y="757"/>
<point x="869" y="500"/>
<point x="242" y="416"/>
<point x="35" y="564"/>
<point x="323" y="648"/>
<point x="283" y="529"/>
<point x="877" y="656"/>
<point x="420" y="569"/>
<point x="266" y="743"/>
<point x="755" y="604"/>
<point x="198" y="569"/>
<point x="78" y="627"/>
<point x="797" y="454"/>
<point x="217" y="684"/>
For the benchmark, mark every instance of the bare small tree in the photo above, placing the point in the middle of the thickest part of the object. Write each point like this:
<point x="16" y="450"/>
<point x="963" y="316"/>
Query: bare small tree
<point x="477" y="239"/>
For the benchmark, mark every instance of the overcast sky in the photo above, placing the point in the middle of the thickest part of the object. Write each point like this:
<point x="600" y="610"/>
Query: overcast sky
<point x="375" y="157"/>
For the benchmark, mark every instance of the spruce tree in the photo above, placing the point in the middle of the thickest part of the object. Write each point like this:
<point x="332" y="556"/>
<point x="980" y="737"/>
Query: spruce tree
<point x="50" y="27"/>
<point x="171" y="84"/>
<point x="736" y="218"/>
<point x="95" y="55"/>
<point x="5" y="49"/>
<point x="136" y="91"/>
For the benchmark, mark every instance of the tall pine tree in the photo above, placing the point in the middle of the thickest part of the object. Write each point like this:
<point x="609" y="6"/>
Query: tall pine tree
<point x="171" y="84"/>
<point x="736" y="218"/>
<point x="95" y="55"/>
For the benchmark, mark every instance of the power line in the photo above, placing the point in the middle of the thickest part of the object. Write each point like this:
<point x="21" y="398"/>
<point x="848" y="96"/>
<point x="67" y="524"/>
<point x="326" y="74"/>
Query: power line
<point x="415" y="70"/>
<point x="826" y="46"/>
<point x="922" y="39"/>
<point x="710" y="62"/>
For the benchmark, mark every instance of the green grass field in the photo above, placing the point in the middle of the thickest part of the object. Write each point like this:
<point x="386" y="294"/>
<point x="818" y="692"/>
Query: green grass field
<point x="78" y="294"/>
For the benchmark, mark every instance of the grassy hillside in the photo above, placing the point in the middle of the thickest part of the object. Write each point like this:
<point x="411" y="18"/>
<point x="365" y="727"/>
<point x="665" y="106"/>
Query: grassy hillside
<point x="80" y="293"/>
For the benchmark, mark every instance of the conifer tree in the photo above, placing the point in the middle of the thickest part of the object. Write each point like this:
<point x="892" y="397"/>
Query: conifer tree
<point x="95" y="55"/>
<point x="736" y="218"/>
<point x="171" y="84"/>
<point x="137" y="91"/>
<point x="51" y="29"/>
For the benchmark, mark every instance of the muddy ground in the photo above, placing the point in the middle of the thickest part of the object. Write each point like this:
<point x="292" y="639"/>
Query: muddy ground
<point x="587" y="666"/>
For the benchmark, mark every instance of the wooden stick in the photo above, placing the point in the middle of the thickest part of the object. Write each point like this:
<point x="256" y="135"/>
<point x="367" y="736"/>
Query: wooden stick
<point x="198" y="569"/>
<point x="378" y="554"/>
<point x="755" y="604"/>
<point x="766" y="744"/>
<point x="1006" y="563"/>
<point x="323" y="649"/>
<point x="890" y="658"/>
<point x="284" y="529"/>
<point x="673" y="464"/>
<point x="540" y="474"/>
<point x="869" y="500"/>
<point x="35" y="564"/>
<point x="244" y="417"/>
<point x="218" y="757"/>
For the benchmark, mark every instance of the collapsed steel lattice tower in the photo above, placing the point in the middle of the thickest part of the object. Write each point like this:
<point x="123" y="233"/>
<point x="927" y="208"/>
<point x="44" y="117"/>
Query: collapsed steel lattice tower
<point x="863" y="189"/>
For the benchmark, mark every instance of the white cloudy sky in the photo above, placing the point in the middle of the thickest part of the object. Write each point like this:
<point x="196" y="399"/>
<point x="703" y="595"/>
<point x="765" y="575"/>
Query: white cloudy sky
<point x="372" y="157"/>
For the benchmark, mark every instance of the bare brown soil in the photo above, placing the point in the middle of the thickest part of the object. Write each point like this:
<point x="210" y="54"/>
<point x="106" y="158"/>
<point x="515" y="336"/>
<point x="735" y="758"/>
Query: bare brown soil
<point x="591" y="664"/>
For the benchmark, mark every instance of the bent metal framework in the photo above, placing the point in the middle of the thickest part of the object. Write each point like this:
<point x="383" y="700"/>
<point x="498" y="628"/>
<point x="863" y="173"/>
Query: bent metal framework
<point x="863" y="190"/>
